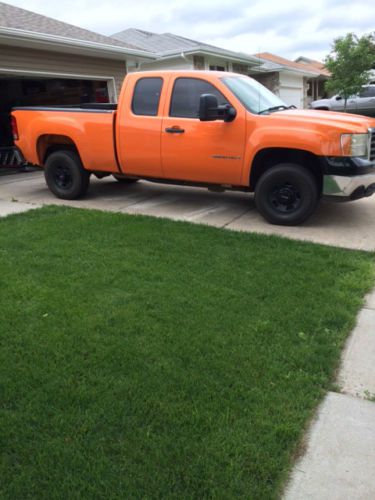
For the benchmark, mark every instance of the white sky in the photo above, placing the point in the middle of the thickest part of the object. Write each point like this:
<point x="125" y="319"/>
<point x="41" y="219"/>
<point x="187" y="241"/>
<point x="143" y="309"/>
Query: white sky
<point x="288" y="28"/>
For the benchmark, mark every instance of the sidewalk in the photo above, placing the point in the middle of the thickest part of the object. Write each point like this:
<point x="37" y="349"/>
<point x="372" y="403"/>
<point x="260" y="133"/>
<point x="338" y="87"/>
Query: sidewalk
<point x="339" y="463"/>
<point x="14" y="207"/>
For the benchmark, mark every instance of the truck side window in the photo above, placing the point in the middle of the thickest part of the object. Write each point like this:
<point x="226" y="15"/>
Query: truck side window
<point x="186" y="95"/>
<point x="146" y="96"/>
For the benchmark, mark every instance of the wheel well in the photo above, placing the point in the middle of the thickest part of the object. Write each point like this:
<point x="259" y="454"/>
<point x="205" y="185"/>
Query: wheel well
<point x="267" y="158"/>
<point x="323" y="108"/>
<point x="49" y="143"/>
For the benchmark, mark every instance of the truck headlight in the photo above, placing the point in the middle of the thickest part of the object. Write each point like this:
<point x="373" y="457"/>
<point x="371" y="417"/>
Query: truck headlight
<point x="354" y="144"/>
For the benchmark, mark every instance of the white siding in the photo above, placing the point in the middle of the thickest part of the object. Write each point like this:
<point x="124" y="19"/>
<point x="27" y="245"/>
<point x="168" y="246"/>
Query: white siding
<point x="175" y="63"/>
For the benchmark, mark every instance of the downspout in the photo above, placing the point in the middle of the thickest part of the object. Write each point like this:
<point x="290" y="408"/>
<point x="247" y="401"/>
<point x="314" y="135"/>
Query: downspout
<point x="182" y="55"/>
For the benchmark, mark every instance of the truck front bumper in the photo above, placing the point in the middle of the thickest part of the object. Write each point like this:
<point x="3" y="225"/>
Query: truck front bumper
<point x="348" y="178"/>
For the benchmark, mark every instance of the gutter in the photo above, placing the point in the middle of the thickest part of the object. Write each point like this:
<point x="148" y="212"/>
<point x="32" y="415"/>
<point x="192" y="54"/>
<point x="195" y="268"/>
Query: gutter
<point x="14" y="34"/>
<point x="218" y="55"/>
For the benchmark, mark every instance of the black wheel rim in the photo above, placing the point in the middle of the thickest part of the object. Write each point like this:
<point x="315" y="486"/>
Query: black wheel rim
<point x="62" y="177"/>
<point x="285" y="198"/>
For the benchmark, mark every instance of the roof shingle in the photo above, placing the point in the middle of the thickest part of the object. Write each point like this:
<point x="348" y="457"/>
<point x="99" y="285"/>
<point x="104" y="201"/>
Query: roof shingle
<point x="310" y="67"/>
<point x="17" y="18"/>
<point x="167" y="43"/>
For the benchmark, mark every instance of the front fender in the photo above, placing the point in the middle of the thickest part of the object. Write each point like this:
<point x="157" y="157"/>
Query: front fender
<point x="307" y="140"/>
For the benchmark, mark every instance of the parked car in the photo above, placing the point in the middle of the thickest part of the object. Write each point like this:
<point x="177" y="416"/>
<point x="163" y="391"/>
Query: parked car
<point x="361" y="104"/>
<point x="210" y="129"/>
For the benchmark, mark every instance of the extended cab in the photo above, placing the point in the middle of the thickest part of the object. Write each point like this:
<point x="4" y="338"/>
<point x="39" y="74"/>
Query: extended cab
<point x="211" y="129"/>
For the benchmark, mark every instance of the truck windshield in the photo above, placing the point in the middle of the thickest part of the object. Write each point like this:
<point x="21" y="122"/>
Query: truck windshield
<point x="253" y="95"/>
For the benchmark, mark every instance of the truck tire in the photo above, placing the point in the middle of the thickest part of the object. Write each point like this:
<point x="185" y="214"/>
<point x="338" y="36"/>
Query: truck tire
<point x="65" y="175"/>
<point x="286" y="194"/>
<point x="124" y="180"/>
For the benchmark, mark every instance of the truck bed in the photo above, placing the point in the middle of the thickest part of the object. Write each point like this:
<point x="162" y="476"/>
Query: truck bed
<point x="89" y="128"/>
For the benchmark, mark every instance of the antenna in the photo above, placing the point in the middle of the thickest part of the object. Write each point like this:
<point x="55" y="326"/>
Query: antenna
<point x="258" y="80"/>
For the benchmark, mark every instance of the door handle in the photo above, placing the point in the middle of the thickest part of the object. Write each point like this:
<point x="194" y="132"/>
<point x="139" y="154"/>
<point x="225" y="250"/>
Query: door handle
<point x="175" y="130"/>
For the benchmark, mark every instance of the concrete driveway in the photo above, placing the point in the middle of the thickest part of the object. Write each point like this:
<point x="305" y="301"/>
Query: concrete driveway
<point x="349" y="225"/>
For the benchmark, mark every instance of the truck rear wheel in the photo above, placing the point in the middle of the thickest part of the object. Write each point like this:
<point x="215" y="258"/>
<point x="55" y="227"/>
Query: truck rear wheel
<point x="286" y="194"/>
<point x="65" y="175"/>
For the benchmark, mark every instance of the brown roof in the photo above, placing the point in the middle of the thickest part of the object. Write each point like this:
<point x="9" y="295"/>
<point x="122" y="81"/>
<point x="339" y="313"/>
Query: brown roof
<point x="314" y="66"/>
<point x="16" y="18"/>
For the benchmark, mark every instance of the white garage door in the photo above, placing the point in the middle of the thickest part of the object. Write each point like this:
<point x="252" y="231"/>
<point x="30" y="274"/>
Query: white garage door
<point x="291" y="96"/>
<point x="291" y="89"/>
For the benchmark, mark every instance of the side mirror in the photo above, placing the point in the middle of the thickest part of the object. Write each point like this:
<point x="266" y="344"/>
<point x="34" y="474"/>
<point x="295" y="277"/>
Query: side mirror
<point x="209" y="109"/>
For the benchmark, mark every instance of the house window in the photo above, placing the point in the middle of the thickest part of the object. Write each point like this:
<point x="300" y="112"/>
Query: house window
<point x="147" y="96"/>
<point x="186" y="97"/>
<point x="217" y="68"/>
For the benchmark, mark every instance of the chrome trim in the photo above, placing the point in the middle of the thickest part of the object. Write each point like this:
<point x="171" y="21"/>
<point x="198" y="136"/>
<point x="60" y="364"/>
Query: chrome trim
<point x="344" y="186"/>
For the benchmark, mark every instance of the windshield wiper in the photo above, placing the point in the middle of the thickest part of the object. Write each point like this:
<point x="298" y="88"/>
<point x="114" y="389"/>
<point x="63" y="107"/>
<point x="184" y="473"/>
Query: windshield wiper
<point x="281" y="107"/>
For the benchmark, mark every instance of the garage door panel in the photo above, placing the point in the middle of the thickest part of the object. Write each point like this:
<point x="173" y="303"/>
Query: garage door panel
<point x="291" y="96"/>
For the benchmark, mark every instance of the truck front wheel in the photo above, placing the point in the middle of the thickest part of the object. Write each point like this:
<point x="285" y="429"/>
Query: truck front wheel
<point x="65" y="175"/>
<point x="286" y="194"/>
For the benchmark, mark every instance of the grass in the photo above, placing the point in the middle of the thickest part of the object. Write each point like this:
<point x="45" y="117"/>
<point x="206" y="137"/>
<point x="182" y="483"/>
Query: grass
<point x="145" y="358"/>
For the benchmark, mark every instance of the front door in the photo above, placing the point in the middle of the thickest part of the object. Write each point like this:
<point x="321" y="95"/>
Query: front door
<point x="191" y="150"/>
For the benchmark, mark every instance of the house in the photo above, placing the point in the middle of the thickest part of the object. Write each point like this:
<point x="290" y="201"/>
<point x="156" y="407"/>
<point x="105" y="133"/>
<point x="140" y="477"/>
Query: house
<point x="290" y="80"/>
<point x="176" y="52"/>
<point x="45" y="61"/>
<point x="316" y="86"/>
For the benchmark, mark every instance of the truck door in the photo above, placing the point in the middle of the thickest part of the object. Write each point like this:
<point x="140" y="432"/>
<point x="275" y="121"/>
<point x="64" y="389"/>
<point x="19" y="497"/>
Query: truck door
<point x="208" y="152"/>
<point x="138" y="126"/>
<point x="338" y="104"/>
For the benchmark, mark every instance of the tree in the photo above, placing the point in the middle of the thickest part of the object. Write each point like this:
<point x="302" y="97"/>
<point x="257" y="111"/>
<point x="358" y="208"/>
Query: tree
<point x="350" y="62"/>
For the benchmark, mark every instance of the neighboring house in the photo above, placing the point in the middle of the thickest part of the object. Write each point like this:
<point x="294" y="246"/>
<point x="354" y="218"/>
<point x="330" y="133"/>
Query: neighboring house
<point x="45" y="61"/>
<point x="176" y="52"/>
<point x="316" y="85"/>
<point x="285" y="78"/>
<point x="290" y="80"/>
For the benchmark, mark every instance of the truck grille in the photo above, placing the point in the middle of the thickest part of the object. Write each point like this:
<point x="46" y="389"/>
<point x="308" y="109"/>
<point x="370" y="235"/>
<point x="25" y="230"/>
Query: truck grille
<point x="371" y="152"/>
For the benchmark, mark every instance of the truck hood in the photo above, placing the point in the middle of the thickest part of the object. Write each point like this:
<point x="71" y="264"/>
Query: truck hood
<point x="345" y="122"/>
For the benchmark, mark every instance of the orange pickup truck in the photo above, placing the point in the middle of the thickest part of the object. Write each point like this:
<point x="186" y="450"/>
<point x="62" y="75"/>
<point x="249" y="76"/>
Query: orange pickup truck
<point x="210" y="129"/>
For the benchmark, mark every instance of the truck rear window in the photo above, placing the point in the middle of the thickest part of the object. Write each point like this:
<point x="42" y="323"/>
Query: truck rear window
<point x="146" y="96"/>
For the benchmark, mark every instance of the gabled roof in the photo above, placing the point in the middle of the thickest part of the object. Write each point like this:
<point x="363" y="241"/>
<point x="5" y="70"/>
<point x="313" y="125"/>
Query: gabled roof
<point x="15" y="17"/>
<point x="168" y="44"/>
<point x="20" y="22"/>
<point x="313" y="64"/>
<point x="154" y="42"/>
<point x="286" y="64"/>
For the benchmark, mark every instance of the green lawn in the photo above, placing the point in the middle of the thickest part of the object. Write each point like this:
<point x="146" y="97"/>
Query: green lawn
<point x="144" y="358"/>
